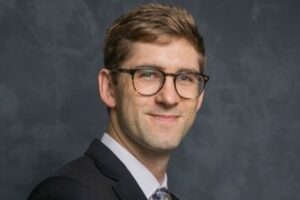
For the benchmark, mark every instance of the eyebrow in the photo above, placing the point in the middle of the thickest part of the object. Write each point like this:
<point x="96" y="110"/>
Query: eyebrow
<point x="180" y="70"/>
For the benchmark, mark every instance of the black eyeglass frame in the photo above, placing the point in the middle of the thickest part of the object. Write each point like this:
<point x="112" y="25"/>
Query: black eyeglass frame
<point x="174" y="75"/>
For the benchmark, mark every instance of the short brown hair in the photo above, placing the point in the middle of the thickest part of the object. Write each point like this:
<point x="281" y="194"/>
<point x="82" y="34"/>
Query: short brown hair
<point x="146" y="24"/>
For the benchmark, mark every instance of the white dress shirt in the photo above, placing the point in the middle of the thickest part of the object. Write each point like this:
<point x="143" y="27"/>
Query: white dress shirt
<point x="144" y="178"/>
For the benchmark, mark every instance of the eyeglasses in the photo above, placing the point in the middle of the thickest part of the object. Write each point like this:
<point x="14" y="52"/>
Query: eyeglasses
<point x="149" y="81"/>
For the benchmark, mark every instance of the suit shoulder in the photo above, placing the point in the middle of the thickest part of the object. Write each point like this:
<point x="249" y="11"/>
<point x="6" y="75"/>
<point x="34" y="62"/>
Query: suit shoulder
<point x="84" y="170"/>
<point x="78" y="179"/>
<point x="55" y="188"/>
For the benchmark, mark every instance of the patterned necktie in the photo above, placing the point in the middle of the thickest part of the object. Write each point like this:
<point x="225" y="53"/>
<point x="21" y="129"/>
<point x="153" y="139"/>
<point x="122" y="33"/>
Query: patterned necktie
<point x="161" y="194"/>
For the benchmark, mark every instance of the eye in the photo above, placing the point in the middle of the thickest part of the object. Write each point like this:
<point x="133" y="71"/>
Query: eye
<point x="186" y="78"/>
<point x="147" y="74"/>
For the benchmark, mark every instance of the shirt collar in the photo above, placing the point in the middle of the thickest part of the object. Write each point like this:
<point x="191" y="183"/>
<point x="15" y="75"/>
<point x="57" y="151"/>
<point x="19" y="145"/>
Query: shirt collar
<point x="145" y="179"/>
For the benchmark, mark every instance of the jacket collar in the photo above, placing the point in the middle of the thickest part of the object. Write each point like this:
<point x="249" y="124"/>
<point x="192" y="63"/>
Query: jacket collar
<point x="125" y="186"/>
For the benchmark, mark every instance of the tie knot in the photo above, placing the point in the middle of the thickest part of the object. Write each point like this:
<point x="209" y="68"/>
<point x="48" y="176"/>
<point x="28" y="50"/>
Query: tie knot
<point x="161" y="194"/>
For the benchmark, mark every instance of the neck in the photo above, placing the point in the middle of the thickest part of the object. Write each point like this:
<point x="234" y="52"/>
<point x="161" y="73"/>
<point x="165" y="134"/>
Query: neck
<point x="155" y="161"/>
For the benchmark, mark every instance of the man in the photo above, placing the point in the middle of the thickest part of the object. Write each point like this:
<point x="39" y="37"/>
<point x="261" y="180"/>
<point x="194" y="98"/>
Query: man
<point x="152" y="85"/>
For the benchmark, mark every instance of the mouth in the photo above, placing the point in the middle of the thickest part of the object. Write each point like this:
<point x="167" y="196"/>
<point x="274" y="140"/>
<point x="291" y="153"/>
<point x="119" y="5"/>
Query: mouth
<point x="165" y="118"/>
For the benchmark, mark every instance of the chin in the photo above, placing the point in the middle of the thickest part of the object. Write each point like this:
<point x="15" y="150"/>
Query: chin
<point x="167" y="147"/>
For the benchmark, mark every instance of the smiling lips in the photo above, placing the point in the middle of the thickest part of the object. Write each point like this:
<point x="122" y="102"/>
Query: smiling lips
<point x="165" y="118"/>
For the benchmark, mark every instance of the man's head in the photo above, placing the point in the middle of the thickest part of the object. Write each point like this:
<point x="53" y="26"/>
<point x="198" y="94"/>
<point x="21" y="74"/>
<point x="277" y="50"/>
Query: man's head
<point x="149" y="23"/>
<point x="152" y="81"/>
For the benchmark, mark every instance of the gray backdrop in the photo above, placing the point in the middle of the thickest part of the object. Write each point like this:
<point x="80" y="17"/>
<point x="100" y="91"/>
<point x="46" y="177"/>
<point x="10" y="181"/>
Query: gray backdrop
<point x="245" y="144"/>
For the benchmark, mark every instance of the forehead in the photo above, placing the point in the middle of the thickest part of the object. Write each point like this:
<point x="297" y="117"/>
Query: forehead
<point x="170" y="54"/>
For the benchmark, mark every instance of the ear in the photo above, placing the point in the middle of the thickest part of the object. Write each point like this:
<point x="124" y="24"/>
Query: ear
<point x="106" y="89"/>
<point x="200" y="100"/>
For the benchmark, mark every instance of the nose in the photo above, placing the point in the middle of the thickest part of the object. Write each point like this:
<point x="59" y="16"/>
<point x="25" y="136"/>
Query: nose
<point x="168" y="96"/>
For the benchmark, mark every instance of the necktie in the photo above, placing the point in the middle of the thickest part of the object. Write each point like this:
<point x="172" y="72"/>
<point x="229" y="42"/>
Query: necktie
<point x="161" y="194"/>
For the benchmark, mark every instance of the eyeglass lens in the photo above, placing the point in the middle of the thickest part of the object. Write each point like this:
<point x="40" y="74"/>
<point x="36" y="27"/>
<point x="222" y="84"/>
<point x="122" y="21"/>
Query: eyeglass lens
<point x="150" y="81"/>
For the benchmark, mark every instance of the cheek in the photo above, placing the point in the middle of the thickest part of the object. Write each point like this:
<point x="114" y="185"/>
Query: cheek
<point x="129" y="103"/>
<point x="134" y="105"/>
<point x="192" y="112"/>
<point x="123" y="92"/>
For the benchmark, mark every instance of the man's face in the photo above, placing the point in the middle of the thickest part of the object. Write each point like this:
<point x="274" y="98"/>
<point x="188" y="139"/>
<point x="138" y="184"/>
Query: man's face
<point x="159" y="122"/>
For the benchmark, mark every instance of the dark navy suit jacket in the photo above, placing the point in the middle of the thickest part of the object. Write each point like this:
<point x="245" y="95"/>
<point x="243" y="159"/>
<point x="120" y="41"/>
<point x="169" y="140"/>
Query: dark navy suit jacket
<point x="98" y="175"/>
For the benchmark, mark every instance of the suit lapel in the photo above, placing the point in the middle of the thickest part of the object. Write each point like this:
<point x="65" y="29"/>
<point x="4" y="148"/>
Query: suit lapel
<point x="128" y="189"/>
<point x="125" y="185"/>
<point x="174" y="197"/>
